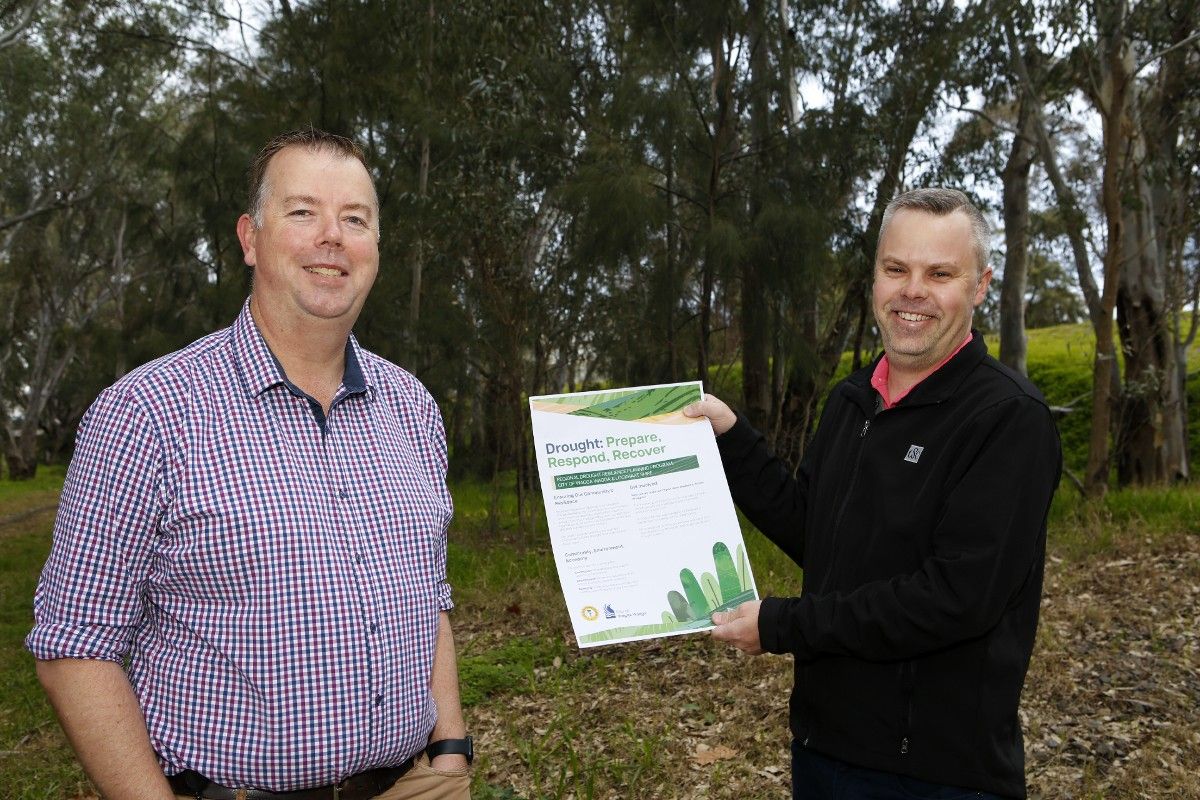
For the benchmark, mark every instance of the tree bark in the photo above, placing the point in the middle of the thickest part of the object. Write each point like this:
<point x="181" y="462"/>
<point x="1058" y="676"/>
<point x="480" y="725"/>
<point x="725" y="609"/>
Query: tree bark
<point x="720" y="136"/>
<point x="418" y="270"/>
<point x="1111" y="97"/>
<point x="1015" y="178"/>
<point x="753" y="313"/>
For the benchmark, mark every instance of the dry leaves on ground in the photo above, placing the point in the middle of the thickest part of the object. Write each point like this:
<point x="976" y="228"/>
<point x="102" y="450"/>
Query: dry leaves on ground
<point x="1109" y="707"/>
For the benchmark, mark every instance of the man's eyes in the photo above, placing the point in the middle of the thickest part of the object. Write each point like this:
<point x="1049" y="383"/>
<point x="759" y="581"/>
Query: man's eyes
<point x="352" y="219"/>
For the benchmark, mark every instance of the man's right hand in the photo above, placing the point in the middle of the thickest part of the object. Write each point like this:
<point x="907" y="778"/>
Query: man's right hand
<point x="719" y="414"/>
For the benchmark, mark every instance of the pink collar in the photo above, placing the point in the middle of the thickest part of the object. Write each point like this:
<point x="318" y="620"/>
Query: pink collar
<point x="879" y="378"/>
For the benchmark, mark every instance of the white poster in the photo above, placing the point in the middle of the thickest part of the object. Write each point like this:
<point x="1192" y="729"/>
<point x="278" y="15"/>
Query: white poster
<point x="643" y="529"/>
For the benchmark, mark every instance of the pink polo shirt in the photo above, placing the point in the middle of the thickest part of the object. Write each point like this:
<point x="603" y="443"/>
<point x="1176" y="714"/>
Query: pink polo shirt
<point x="879" y="378"/>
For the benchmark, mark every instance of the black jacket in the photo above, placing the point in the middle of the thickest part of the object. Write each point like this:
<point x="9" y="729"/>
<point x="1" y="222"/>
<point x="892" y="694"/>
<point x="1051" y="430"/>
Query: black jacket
<point x="922" y="533"/>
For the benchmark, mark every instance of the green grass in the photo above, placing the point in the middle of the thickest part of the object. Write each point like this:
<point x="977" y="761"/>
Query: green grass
<point x="1079" y="528"/>
<point x="511" y="668"/>
<point x="1059" y="362"/>
<point x="35" y="762"/>
<point x="21" y="496"/>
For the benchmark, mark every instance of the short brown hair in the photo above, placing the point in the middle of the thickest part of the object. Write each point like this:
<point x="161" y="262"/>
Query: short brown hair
<point x="940" y="201"/>
<point x="311" y="138"/>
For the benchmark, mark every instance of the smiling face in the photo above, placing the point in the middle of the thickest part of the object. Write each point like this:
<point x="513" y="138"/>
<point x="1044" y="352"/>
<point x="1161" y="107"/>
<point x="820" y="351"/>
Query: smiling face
<point x="315" y="250"/>
<point x="927" y="286"/>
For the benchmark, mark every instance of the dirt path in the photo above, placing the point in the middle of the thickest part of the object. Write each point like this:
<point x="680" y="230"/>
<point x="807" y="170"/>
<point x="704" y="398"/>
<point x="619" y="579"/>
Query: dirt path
<point x="12" y="519"/>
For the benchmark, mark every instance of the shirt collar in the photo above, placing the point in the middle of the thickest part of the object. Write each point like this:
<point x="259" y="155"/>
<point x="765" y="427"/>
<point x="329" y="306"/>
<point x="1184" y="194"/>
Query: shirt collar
<point x="261" y="370"/>
<point x="879" y="377"/>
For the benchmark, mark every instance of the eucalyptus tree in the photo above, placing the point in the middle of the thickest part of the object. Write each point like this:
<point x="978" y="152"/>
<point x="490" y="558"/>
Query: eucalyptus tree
<point x="82" y="116"/>
<point x="1133" y="66"/>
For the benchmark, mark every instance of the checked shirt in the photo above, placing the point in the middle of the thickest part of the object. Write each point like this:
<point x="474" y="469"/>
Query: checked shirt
<point x="273" y="577"/>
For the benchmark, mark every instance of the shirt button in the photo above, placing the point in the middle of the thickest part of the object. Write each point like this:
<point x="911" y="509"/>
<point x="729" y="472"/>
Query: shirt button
<point x="343" y="494"/>
<point x="374" y="627"/>
<point x="358" y="559"/>
<point x="378" y="699"/>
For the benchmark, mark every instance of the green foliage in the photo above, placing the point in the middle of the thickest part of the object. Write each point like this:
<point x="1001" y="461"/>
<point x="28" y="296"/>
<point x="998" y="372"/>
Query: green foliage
<point x="507" y="669"/>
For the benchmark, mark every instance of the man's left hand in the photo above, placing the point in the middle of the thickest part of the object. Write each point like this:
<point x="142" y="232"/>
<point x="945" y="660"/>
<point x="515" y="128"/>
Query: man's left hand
<point x="739" y="627"/>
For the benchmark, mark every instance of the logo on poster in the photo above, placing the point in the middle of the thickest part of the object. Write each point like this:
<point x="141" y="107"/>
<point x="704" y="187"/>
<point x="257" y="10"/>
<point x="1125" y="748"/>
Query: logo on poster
<point x="608" y="611"/>
<point x="590" y="613"/>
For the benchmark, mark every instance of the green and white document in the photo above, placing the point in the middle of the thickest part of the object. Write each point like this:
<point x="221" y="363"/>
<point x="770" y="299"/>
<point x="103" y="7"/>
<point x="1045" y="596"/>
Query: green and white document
<point x="645" y="537"/>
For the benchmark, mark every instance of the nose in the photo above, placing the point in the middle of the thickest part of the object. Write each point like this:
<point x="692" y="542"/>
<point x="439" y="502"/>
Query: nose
<point x="329" y="234"/>
<point x="914" y="285"/>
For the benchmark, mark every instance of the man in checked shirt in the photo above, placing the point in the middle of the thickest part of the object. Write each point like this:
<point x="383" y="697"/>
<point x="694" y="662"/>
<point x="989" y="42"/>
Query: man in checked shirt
<point x="246" y="595"/>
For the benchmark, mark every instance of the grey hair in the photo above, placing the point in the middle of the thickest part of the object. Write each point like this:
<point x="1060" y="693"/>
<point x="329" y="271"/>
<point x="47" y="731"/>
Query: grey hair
<point x="940" y="201"/>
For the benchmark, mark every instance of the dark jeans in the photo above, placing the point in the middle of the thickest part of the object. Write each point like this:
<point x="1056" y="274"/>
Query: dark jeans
<point x="818" y="777"/>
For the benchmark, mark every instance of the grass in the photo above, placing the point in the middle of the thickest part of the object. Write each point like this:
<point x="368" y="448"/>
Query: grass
<point x="1059" y="362"/>
<point x="35" y="762"/>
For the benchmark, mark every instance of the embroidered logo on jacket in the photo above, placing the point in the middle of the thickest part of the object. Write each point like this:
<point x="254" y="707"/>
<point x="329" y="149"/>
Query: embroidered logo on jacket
<point x="914" y="453"/>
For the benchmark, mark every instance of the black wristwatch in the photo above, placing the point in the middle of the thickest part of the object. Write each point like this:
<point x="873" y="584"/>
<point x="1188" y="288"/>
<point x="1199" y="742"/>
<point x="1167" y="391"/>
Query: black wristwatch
<point x="441" y="747"/>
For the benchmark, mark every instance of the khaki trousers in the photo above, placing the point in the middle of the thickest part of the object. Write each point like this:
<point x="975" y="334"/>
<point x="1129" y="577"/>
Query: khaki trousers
<point x="423" y="782"/>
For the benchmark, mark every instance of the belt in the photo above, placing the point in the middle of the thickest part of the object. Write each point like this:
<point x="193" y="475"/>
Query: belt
<point x="361" y="786"/>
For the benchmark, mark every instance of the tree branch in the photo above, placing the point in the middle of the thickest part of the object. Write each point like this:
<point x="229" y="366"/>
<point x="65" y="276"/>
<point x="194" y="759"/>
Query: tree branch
<point x="1156" y="56"/>
<point x="986" y="117"/>
<point x="10" y="36"/>
<point x="42" y="209"/>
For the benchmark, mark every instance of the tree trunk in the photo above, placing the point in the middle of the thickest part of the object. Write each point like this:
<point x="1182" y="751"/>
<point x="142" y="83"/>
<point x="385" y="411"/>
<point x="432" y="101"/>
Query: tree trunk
<point x="1170" y="188"/>
<point x="754" y="313"/>
<point x="720" y="136"/>
<point x="1111" y="97"/>
<point x="1151" y="433"/>
<point x="414" y="307"/>
<point x="1015" y="178"/>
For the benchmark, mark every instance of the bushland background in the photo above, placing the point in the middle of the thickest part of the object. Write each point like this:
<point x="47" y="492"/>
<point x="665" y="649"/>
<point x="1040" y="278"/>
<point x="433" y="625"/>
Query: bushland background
<point x="579" y="194"/>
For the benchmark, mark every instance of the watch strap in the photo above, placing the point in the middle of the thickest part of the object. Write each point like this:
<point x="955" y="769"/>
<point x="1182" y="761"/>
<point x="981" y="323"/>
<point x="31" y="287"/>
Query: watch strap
<point x="464" y="747"/>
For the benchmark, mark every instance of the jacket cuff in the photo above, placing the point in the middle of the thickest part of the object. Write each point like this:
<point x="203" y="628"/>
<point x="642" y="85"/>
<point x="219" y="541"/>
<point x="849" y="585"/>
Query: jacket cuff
<point x="771" y="630"/>
<point x="738" y="440"/>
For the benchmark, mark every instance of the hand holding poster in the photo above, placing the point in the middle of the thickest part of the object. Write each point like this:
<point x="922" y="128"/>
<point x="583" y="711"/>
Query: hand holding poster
<point x="644" y="534"/>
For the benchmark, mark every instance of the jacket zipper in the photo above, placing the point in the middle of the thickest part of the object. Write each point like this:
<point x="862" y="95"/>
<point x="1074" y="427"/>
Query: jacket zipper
<point x="908" y="681"/>
<point x="837" y="522"/>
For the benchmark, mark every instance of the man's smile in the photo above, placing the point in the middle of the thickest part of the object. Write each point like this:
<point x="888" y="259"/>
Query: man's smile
<point x="326" y="271"/>
<point x="911" y="316"/>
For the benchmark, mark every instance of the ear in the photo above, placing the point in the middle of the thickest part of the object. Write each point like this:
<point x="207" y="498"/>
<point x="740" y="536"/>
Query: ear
<point x="247" y="234"/>
<point x="981" y="292"/>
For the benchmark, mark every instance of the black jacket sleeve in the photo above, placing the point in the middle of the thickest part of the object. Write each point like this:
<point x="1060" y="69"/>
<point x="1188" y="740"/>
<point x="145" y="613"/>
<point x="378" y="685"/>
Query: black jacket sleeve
<point x="767" y="493"/>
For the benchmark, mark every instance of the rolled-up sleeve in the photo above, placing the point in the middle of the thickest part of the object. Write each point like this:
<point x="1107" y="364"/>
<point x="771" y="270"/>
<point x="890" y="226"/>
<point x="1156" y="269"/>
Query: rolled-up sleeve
<point x="88" y="602"/>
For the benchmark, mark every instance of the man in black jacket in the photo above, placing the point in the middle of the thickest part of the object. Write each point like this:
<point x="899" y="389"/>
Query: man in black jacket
<point x="919" y="517"/>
